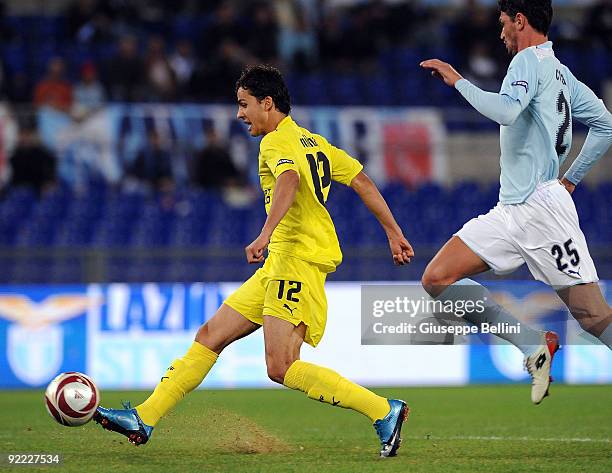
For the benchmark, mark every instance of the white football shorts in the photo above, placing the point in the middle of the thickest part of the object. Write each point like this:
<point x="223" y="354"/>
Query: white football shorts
<point x="543" y="232"/>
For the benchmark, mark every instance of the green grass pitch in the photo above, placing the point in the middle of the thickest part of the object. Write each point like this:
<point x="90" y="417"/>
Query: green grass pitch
<point x="464" y="429"/>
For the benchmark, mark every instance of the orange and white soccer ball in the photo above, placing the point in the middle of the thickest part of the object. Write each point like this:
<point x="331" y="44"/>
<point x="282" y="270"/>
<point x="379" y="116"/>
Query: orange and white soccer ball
<point x="72" y="398"/>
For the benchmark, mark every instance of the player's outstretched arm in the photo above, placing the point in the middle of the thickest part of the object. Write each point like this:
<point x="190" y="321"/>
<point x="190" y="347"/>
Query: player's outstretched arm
<point x="498" y="107"/>
<point x="284" y="195"/>
<point x="368" y="192"/>
<point x="442" y="70"/>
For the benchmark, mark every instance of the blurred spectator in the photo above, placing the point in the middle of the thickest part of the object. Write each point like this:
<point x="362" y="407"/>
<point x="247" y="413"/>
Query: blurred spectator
<point x="153" y="13"/>
<point x="213" y="167"/>
<point x="262" y="39"/>
<point x="6" y="32"/>
<point x="598" y="24"/>
<point x="152" y="166"/>
<point x="3" y="81"/>
<point x="31" y="163"/>
<point x="183" y="65"/>
<point x="89" y="94"/>
<point x="333" y="44"/>
<point x="88" y="22"/>
<point x="160" y="76"/>
<point x="78" y="14"/>
<point x="123" y="16"/>
<point x="19" y="88"/>
<point x="124" y="73"/>
<point x="379" y="25"/>
<point x="476" y="32"/>
<point x="209" y="6"/>
<point x="402" y="20"/>
<point x="298" y="42"/>
<point x="483" y="70"/>
<point x="222" y="55"/>
<point x="363" y="47"/>
<point x="224" y="26"/>
<point x="374" y="37"/>
<point x="54" y="91"/>
<point x="215" y="78"/>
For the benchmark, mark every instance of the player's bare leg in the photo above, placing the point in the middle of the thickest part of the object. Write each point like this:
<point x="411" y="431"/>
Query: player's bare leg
<point x="445" y="279"/>
<point x="453" y="262"/>
<point x="283" y="342"/>
<point x="183" y="376"/>
<point x="224" y="328"/>
<point x="587" y="304"/>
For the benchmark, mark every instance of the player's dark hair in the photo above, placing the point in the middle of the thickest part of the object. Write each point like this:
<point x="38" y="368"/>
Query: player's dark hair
<point x="266" y="81"/>
<point x="538" y="12"/>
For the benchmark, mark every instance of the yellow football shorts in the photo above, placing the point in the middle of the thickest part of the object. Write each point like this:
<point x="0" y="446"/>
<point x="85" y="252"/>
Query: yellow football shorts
<point x="287" y="288"/>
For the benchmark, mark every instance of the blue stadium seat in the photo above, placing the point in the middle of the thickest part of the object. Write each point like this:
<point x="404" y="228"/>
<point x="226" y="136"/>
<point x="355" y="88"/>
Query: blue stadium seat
<point x="77" y="54"/>
<point x="15" y="57"/>
<point x="39" y="232"/>
<point x="86" y="208"/>
<point x="586" y="204"/>
<point x="314" y="89"/>
<point x="112" y="233"/>
<point x="187" y="270"/>
<point x="378" y="91"/>
<point x="32" y="270"/>
<point x="346" y="89"/>
<point x="430" y="215"/>
<point x="407" y="60"/>
<point x="150" y="233"/>
<point x="116" y="269"/>
<point x="188" y="231"/>
<point x="67" y="271"/>
<point x="74" y="232"/>
<point x="229" y="227"/>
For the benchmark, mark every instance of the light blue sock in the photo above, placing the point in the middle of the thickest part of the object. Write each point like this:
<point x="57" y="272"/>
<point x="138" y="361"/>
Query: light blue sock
<point x="606" y="337"/>
<point x="527" y="340"/>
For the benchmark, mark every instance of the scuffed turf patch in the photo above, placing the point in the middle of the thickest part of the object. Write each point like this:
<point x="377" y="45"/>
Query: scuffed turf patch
<point x="239" y="434"/>
<point x="225" y="431"/>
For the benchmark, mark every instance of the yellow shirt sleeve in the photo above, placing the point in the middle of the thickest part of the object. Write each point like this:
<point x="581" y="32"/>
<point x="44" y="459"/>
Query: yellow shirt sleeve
<point x="279" y="160"/>
<point x="344" y="167"/>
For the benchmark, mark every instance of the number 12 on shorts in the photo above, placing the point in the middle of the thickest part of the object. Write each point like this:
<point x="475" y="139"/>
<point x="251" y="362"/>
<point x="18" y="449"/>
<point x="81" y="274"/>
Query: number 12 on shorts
<point x="294" y="288"/>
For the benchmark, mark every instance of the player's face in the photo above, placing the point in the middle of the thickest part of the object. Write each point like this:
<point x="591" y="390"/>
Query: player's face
<point x="251" y="111"/>
<point x="508" y="33"/>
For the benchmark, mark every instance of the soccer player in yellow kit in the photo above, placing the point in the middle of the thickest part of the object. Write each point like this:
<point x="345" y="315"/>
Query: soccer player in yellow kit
<point x="286" y="295"/>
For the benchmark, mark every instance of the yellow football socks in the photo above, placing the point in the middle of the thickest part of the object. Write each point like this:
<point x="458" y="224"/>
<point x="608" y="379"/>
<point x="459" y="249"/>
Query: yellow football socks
<point x="328" y="386"/>
<point x="182" y="377"/>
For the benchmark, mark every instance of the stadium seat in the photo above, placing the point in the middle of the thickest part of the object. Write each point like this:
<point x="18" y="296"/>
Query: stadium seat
<point x="315" y="89"/>
<point x="429" y="215"/>
<point x="345" y="89"/>
<point x="67" y="271"/>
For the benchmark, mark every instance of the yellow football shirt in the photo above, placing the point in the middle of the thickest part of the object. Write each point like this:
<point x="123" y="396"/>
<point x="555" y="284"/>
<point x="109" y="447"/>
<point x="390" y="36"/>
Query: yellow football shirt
<point x="306" y="231"/>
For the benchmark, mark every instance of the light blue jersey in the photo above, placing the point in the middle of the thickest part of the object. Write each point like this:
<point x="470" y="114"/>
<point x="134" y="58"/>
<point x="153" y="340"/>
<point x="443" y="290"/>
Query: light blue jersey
<point x="538" y="99"/>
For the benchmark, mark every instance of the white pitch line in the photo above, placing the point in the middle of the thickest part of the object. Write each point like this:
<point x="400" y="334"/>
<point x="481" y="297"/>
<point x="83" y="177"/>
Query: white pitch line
<point x="520" y="439"/>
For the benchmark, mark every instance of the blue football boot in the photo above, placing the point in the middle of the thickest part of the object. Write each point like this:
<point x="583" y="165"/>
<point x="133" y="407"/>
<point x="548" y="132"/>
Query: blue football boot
<point x="390" y="428"/>
<point x="124" y="421"/>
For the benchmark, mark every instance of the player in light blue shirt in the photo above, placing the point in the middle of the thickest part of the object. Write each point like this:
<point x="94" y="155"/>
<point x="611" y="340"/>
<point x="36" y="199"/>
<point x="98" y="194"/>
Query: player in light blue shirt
<point x="535" y="107"/>
<point x="535" y="221"/>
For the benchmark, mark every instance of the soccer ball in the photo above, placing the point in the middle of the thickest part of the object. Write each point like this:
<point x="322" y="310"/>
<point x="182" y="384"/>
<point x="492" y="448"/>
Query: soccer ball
<point x="72" y="398"/>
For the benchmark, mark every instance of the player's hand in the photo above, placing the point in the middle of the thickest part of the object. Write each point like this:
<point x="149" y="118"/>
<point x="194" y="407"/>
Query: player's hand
<point x="401" y="250"/>
<point x="255" y="251"/>
<point x="442" y="70"/>
<point x="569" y="186"/>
